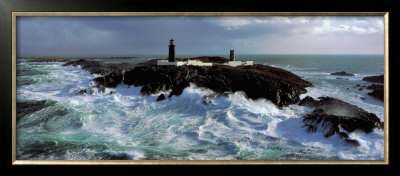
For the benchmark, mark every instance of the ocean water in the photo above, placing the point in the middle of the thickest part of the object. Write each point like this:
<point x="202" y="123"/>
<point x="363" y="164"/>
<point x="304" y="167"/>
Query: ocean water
<point x="127" y="125"/>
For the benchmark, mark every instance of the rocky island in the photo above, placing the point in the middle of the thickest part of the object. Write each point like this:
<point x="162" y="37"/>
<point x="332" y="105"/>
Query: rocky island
<point x="377" y="89"/>
<point x="342" y="73"/>
<point x="257" y="81"/>
<point x="333" y="116"/>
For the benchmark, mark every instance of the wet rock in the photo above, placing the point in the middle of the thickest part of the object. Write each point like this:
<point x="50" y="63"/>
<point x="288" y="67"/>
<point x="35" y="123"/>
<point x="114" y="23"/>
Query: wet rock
<point x="342" y="73"/>
<point x="377" y="91"/>
<point x="161" y="97"/>
<point x="98" y="67"/>
<point x="94" y="67"/>
<point x="307" y="101"/>
<point x="24" y="108"/>
<point x="343" y="135"/>
<point x="361" y="89"/>
<point x="102" y="89"/>
<point x="351" y="142"/>
<point x="377" y="79"/>
<point x="178" y="89"/>
<point x="87" y="91"/>
<point x="207" y="99"/>
<point x="50" y="59"/>
<point x="111" y="80"/>
<point x="332" y="116"/>
<point x="258" y="81"/>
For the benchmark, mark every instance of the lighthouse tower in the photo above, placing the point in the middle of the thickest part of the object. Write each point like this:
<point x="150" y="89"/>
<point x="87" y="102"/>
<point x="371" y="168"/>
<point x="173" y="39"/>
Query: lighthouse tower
<point x="232" y="55"/>
<point x="171" y="56"/>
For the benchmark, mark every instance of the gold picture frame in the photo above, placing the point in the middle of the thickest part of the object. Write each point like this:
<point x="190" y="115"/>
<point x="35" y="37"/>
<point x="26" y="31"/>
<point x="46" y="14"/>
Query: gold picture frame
<point x="385" y="15"/>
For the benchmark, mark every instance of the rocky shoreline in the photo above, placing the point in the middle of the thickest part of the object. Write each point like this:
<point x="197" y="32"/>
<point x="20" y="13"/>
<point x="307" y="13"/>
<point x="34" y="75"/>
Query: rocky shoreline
<point x="258" y="81"/>
<point x="333" y="116"/>
<point x="377" y="89"/>
<point x="28" y="107"/>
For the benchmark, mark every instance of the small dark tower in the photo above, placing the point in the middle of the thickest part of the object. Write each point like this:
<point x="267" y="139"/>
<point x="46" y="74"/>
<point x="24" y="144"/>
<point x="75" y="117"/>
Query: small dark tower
<point x="232" y="55"/>
<point x="171" y="56"/>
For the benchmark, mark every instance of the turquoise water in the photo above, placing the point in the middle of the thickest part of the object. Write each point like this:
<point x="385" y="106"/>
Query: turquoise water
<point x="126" y="125"/>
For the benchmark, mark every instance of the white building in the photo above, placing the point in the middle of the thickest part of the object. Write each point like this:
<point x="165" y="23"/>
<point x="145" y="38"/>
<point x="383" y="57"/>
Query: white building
<point x="238" y="63"/>
<point x="200" y="63"/>
<point x="180" y="63"/>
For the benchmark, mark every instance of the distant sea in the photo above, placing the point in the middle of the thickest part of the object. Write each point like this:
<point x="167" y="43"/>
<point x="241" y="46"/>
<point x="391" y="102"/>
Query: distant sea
<point x="127" y="125"/>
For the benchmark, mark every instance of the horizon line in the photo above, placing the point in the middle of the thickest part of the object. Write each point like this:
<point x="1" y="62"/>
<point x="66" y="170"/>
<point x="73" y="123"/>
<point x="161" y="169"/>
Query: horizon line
<point x="197" y="54"/>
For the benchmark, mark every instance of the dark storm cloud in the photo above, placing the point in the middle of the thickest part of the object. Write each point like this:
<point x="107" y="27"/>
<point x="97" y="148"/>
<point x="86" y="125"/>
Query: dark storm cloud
<point x="193" y="35"/>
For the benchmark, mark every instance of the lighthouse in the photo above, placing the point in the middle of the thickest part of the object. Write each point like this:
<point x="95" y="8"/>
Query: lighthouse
<point x="171" y="56"/>
<point x="198" y="61"/>
<point x="232" y="55"/>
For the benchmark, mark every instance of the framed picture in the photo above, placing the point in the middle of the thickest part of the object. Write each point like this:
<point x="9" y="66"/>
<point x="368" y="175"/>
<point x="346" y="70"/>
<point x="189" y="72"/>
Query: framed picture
<point x="207" y="88"/>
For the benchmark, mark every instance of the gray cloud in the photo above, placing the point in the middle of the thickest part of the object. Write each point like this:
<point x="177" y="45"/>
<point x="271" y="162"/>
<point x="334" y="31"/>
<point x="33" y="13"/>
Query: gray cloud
<point x="74" y="36"/>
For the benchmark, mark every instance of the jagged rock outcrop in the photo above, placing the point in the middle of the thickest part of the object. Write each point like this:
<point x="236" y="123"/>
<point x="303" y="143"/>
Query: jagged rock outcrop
<point x="332" y="116"/>
<point x="27" y="107"/>
<point x="50" y="59"/>
<point x="98" y="67"/>
<point x="342" y="73"/>
<point x="377" y="79"/>
<point x="258" y="81"/>
<point x="377" y="91"/>
<point x="88" y="91"/>
<point x="161" y="97"/>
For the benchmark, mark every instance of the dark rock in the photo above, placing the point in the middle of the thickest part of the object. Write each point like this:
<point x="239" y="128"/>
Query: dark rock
<point x="363" y="98"/>
<point x="258" y="81"/>
<point x="102" y="89"/>
<point x="343" y="135"/>
<point x="161" y="97"/>
<point x="83" y="92"/>
<point x="378" y="79"/>
<point x="351" y="142"/>
<point x="358" y="85"/>
<point x="377" y="92"/>
<point x="361" y="89"/>
<point x="374" y="86"/>
<point x="111" y="80"/>
<point x="342" y="73"/>
<point x="24" y="108"/>
<point x="50" y="59"/>
<point x="330" y="113"/>
<point x="207" y="99"/>
<point x="98" y="67"/>
<point x="178" y="89"/>
<point x="87" y="91"/>
<point x="307" y="101"/>
<point x="94" y="67"/>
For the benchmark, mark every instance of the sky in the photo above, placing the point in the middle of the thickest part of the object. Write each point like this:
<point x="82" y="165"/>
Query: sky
<point x="198" y="35"/>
